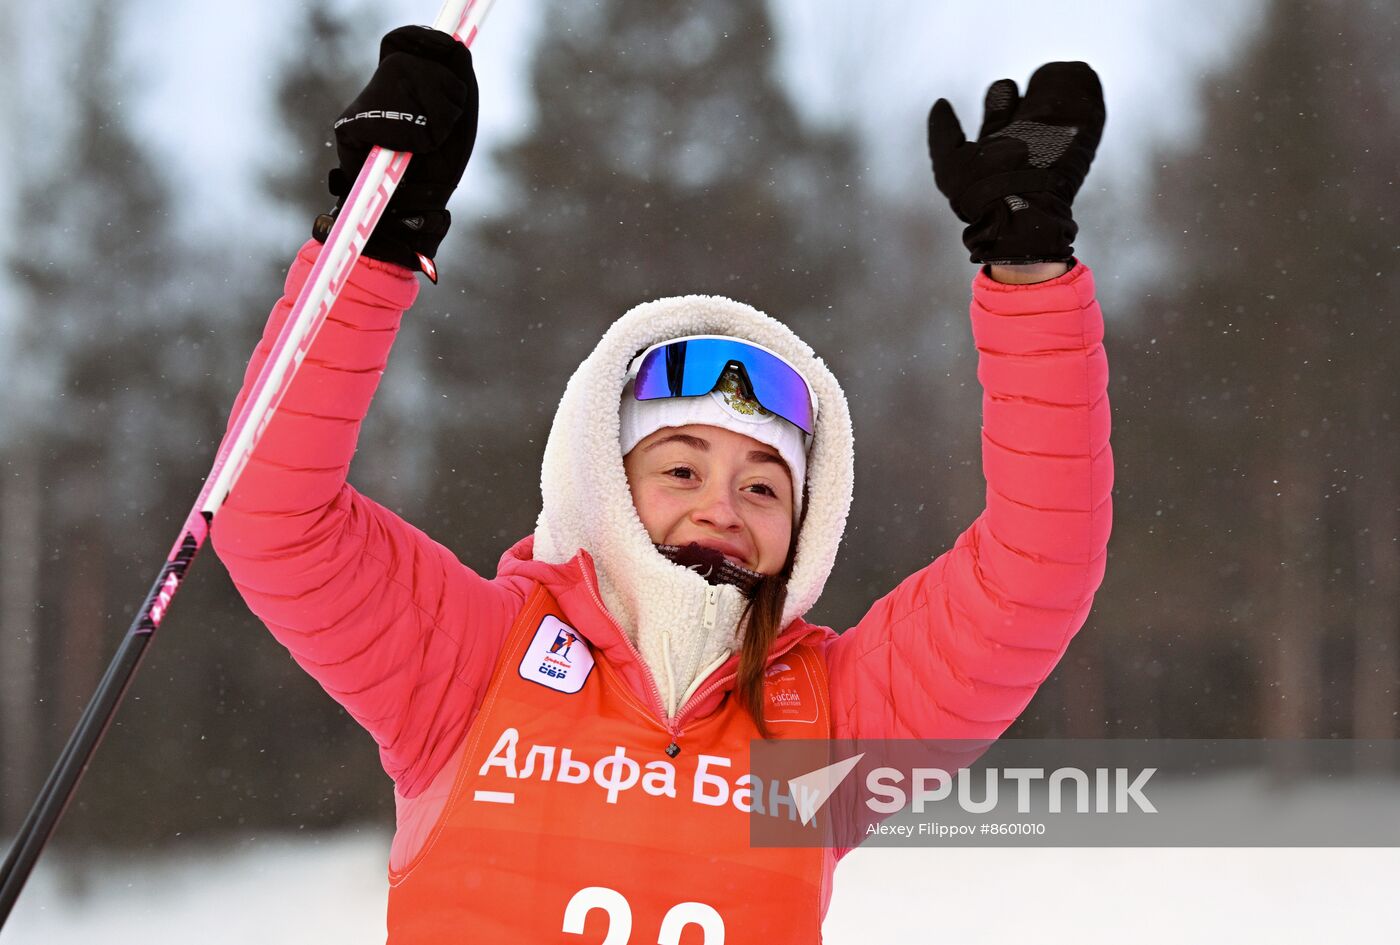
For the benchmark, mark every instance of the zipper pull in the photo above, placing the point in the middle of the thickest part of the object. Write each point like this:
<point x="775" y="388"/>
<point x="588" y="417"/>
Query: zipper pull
<point x="711" y="608"/>
<point x="672" y="750"/>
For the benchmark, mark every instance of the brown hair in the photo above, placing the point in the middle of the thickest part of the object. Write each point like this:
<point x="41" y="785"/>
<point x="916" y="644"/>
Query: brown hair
<point x="764" y="613"/>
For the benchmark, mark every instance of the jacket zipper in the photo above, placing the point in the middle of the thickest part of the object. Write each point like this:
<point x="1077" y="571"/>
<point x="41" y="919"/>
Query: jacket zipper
<point x="646" y="670"/>
<point x="711" y="608"/>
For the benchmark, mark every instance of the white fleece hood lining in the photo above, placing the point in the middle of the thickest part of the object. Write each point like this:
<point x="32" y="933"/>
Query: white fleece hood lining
<point x="587" y="504"/>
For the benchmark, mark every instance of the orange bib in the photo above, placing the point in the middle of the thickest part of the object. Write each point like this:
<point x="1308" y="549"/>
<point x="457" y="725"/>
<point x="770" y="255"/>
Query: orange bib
<point x="569" y="822"/>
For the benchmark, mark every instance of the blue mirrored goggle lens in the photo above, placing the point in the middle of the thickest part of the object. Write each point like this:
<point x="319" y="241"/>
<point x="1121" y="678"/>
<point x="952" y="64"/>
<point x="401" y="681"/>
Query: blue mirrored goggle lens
<point x="692" y="368"/>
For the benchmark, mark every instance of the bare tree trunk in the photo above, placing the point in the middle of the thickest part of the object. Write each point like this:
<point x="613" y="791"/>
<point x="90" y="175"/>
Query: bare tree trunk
<point x="84" y="627"/>
<point x="20" y="503"/>
<point x="1376" y="684"/>
<point x="1293" y="642"/>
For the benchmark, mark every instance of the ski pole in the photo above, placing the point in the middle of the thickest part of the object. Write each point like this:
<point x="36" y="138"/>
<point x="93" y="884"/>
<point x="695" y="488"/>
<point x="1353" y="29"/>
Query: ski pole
<point x="380" y="176"/>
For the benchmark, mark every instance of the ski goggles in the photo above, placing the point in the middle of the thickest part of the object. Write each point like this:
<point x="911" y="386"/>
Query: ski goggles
<point x="692" y="366"/>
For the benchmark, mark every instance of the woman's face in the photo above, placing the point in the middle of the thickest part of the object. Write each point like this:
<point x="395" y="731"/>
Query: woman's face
<point x="718" y="488"/>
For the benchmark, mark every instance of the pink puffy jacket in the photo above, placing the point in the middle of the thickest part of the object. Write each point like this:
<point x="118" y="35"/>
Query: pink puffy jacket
<point x="405" y="637"/>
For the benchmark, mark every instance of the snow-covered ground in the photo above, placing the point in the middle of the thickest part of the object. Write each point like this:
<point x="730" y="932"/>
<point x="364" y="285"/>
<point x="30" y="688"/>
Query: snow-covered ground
<point x="330" y="889"/>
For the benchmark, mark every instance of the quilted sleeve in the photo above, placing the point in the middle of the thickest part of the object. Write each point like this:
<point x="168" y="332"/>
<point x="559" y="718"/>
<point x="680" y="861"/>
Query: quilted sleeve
<point x="388" y="621"/>
<point x="958" y="649"/>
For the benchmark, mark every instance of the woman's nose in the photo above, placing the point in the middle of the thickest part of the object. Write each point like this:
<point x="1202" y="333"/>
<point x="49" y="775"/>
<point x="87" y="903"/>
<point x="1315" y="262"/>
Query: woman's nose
<point x="715" y="507"/>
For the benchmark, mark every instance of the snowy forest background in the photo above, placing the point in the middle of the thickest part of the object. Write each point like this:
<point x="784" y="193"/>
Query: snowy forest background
<point x="1241" y="222"/>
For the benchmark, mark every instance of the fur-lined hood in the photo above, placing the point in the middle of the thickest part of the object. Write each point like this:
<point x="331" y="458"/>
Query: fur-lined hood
<point x="683" y="627"/>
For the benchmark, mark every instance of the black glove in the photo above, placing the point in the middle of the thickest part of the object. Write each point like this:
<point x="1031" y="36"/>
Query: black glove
<point x="1014" y="185"/>
<point x="423" y="98"/>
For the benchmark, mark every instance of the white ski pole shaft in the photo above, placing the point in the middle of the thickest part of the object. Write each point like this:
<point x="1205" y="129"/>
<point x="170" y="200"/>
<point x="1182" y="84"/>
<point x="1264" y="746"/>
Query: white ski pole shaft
<point x="378" y="180"/>
<point x="363" y="207"/>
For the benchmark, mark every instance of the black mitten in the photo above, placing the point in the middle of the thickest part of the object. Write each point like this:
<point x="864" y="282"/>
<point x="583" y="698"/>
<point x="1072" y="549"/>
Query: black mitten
<point x="1013" y="186"/>
<point x="423" y="99"/>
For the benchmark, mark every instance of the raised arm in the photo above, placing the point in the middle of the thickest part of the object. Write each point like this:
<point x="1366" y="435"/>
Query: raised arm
<point x="386" y="620"/>
<point x="958" y="649"/>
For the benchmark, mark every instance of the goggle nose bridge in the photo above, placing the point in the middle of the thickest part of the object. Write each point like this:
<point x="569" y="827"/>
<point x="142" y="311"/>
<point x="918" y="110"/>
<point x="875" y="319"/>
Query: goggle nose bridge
<point x="742" y="372"/>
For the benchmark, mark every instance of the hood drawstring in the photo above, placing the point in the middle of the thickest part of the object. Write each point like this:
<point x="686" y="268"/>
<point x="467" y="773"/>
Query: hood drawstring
<point x="670" y="678"/>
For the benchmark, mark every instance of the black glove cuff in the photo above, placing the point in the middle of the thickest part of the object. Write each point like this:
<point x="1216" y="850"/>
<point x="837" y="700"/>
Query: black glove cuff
<point x="410" y="240"/>
<point x="1022" y="262"/>
<point x="1022" y="229"/>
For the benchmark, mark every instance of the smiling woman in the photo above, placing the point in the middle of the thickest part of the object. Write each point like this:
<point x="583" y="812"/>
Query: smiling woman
<point x="719" y="489"/>
<point x="694" y="491"/>
<point x="722" y="504"/>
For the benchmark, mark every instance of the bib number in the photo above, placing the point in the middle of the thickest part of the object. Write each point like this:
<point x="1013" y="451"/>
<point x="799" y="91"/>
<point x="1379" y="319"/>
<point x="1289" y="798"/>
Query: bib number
<point x="620" y="917"/>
